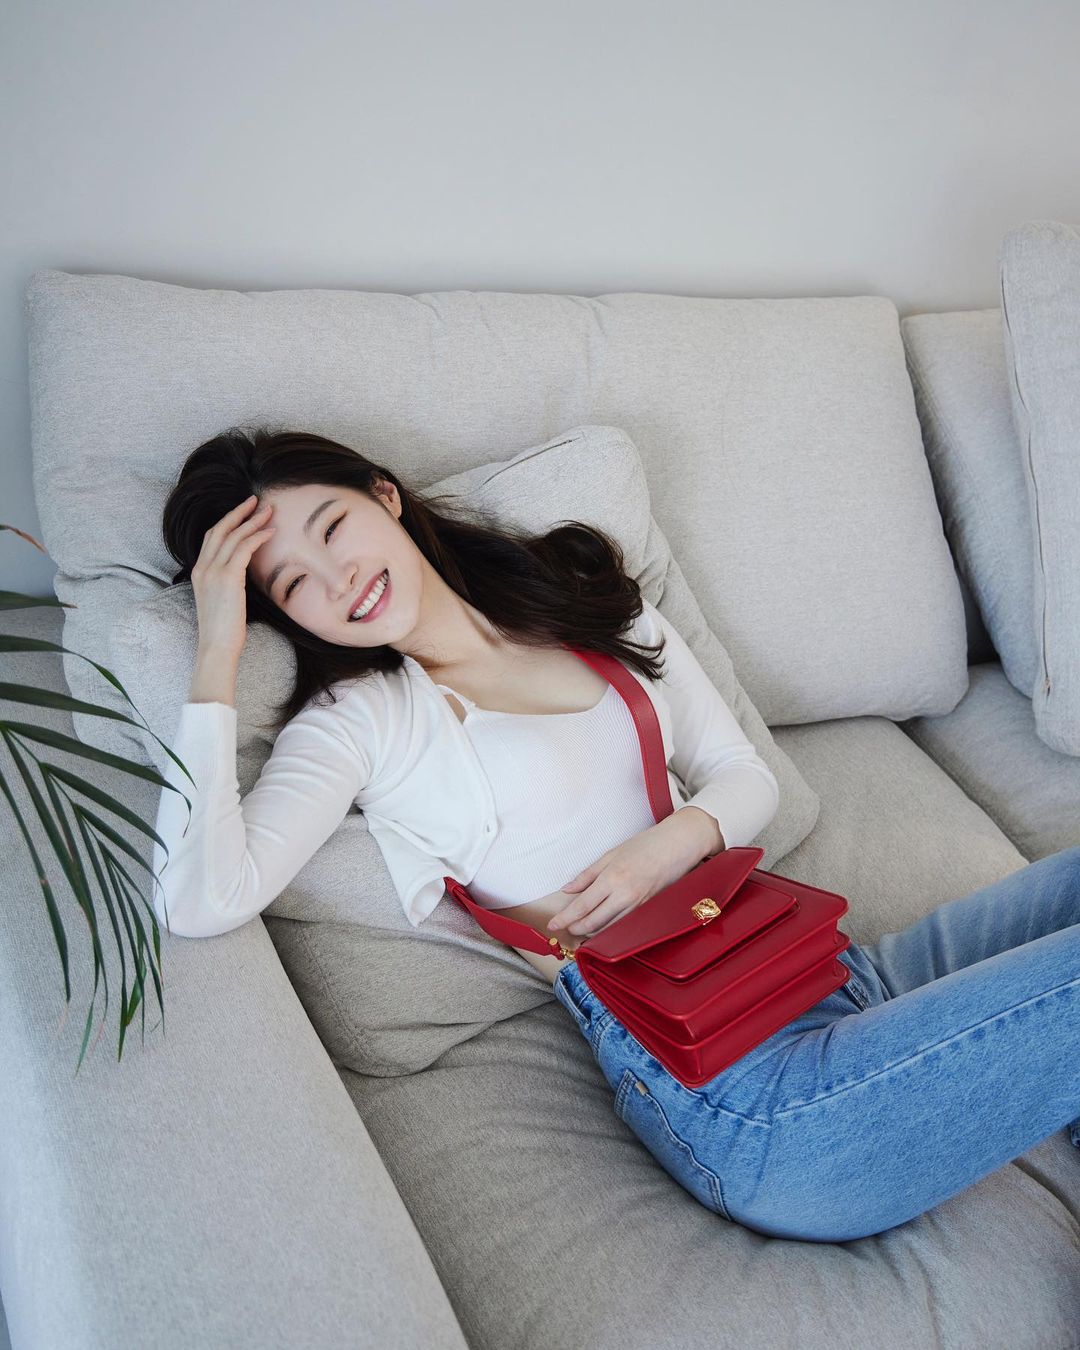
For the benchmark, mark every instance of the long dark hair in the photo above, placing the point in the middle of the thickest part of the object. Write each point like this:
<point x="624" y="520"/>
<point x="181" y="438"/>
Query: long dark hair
<point x="568" y="585"/>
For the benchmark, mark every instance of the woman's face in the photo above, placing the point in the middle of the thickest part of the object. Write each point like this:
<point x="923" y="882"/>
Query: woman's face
<point x="322" y="559"/>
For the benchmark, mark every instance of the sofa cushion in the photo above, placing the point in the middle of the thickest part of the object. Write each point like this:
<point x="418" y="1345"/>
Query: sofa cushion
<point x="989" y="745"/>
<point x="222" y="1145"/>
<point x="779" y="439"/>
<point x="552" y="1225"/>
<point x="353" y="958"/>
<point x="958" y="373"/>
<point x="626" y="1256"/>
<point x="1040" y="296"/>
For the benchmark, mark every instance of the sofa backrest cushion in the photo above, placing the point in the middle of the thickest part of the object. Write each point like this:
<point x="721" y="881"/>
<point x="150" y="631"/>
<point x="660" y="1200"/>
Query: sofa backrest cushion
<point x="961" y="384"/>
<point x="779" y="438"/>
<point x="1040" y="296"/>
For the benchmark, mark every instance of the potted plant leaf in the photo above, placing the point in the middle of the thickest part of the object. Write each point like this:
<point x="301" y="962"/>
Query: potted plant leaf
<point x="74" y="815"/>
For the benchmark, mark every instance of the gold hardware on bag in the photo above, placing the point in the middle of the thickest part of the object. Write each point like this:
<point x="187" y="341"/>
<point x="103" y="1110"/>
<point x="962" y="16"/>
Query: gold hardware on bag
<point x="705" y="909"/>
<point x="565" y="953"/>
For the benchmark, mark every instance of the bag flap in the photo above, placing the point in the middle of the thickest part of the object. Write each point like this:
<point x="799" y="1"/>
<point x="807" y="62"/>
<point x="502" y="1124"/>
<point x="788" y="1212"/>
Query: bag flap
<point x="670" y="912"/>
<point x="756" y="908"/>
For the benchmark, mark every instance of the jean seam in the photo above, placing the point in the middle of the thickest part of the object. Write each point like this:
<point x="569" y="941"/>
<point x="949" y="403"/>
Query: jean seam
<point x="858" y="991"/>
<point x="629" y="1077"/>
<point x="624" y="1086"/>
<point x="600" y="1030"/>
<point x="913" y="1058"/>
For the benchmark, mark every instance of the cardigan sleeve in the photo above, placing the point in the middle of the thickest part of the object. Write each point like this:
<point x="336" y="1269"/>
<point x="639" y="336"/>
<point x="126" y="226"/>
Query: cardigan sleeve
<point x="712" y="755"/>
<point x="235" y="856"/>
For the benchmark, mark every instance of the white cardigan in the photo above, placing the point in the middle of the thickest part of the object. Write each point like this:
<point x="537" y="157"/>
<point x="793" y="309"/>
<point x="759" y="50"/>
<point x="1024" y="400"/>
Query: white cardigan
<point x="393" y="745"/>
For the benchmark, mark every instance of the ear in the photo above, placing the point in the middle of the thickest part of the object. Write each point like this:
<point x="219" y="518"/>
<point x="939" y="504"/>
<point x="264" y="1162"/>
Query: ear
<point x="389" y="495"/>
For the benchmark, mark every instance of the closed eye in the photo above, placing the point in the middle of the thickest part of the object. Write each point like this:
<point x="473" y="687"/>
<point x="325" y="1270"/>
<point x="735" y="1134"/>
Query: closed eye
<point x="329" y="531"/>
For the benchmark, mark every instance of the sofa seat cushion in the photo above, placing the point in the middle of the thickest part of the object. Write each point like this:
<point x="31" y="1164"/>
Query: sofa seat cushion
<point x="990" y="746"/>
<point x="552" y="1225"/>
<point x="896" y="835"/>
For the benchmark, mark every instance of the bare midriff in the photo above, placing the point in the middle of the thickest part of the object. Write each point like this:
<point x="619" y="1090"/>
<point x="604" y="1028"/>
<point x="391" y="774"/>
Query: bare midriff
<point x="536" y="914"/>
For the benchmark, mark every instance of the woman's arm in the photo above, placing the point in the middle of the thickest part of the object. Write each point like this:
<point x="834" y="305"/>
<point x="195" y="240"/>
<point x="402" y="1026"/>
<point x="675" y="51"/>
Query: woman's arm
<point x="236" y="856"/>
<point x="725" y="775"/>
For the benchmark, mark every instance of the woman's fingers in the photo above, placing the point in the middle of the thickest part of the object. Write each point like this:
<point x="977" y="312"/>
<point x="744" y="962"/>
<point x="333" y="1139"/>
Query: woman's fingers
<point x="258" y="525"/>
<point x="253" y="529"/>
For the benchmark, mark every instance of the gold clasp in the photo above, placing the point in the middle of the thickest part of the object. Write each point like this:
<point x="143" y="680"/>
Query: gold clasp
<point x="705" y="909"/>
<point x="565" y="953"/>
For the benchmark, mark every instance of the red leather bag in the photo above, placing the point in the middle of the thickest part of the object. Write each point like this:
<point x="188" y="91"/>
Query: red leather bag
<point x="711" y="965"/>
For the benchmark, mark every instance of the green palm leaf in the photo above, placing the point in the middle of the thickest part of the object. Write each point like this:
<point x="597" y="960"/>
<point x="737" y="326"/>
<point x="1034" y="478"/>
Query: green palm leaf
<point x="63" y="802"/>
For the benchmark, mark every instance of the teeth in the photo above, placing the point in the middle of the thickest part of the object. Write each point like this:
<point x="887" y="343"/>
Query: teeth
<point x="372" y="600"/>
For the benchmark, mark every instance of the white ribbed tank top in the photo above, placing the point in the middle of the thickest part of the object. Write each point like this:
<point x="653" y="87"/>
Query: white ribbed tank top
<point x="567" y="787"/>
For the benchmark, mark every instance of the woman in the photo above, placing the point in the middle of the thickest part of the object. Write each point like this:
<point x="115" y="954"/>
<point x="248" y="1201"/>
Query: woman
<point x="952" y="1048"/>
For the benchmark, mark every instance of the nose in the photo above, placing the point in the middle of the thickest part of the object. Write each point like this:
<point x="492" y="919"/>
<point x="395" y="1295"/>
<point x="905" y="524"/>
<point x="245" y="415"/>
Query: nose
<point x="348" y="581"/>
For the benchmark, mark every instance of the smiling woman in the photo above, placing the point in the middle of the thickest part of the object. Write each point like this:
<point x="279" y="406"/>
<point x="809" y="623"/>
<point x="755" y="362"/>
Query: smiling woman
<point x="358" y="571"/>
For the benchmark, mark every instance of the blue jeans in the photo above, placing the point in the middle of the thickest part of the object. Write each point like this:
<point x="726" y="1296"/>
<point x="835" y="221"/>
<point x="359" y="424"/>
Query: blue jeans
<point x="953" y="1048"/>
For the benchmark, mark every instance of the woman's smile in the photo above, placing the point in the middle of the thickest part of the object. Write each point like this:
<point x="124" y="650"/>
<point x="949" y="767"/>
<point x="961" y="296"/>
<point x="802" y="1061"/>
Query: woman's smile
<point x="381" y="592"/>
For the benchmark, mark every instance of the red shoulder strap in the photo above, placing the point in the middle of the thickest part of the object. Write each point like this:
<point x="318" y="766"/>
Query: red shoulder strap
<point x="647" y="724"/>
<point x="512" y="931"/>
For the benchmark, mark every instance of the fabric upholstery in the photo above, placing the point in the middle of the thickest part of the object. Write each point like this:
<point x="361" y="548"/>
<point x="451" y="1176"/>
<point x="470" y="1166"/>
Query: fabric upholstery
<point x="780" y="443"/>
<point x="640" y="1263"/>
<point x="779" y="438"/>
<point x="1040" y="298"/>
<point x="988" y="744"/>
<point x="958" y="373"/>
<point x="215" y="1185"/>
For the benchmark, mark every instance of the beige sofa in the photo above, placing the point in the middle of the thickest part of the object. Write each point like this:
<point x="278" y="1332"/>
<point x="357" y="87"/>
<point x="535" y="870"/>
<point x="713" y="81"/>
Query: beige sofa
<point x="314" y="1155"/>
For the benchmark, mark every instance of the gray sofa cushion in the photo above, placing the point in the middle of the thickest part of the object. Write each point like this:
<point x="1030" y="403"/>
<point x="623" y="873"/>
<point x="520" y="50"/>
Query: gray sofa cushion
<point x="958" y="373"/>
<point x="599" y="1246"/>
<point x="779" y="439"/>
<point x="989" y="745"/>
<point x="553" y="1226"/>
<point x="215" y="1187"/>
<point x="1040" y="296"/>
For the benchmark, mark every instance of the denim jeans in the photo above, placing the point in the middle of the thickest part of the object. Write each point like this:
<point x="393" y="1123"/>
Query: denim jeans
<point x="953" y="1048"/>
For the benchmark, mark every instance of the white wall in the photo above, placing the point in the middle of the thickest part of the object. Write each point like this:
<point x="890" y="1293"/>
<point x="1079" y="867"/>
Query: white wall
<point x="581" y="146"/>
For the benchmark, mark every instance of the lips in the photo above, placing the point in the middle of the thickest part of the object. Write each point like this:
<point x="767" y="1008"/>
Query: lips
<point x="363" y="595"/>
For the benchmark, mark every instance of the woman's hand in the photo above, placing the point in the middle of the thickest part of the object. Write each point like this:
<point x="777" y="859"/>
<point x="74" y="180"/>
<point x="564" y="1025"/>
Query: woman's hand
<point x="219" y="577"/>
<point x="628" y="875"/>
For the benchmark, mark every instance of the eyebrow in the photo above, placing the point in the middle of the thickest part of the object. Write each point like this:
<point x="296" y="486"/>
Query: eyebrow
<point x="307" y="526"/>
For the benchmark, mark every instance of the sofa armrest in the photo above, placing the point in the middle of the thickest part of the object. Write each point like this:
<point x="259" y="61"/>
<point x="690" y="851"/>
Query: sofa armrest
<point x="215" y="1186"/>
